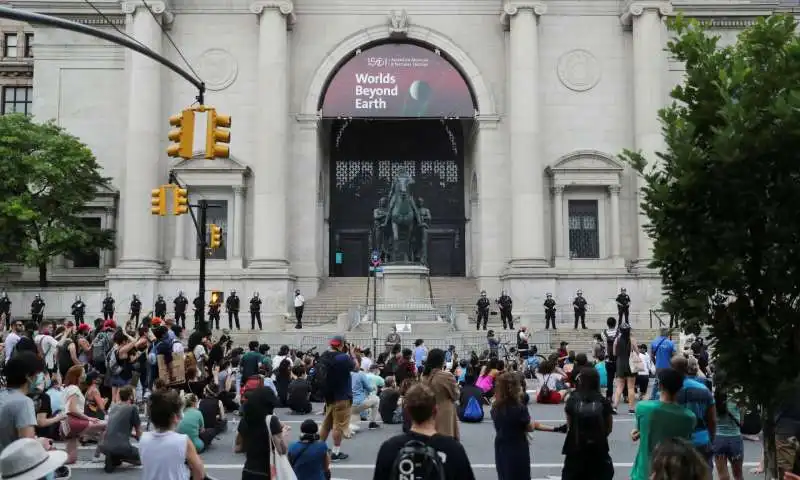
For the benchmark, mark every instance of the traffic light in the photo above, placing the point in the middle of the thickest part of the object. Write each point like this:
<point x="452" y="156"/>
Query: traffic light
<point x="218" y="135"/>
<point x="216" y="297"/>
<point x="180" y="205"/>
<point x="158" y="201"/>
<point x="182" y="135"/>
<point x="215" y="236"/>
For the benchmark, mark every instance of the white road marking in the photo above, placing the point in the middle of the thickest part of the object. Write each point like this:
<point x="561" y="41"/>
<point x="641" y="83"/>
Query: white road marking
<point x="354" y="466"/>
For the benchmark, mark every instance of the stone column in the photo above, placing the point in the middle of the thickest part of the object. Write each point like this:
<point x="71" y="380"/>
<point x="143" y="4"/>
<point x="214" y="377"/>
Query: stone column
<point x="492" y="217"/>
<point x="558" y="220"/>
<point x="527" y="168"/>
<point x="649" y="65"/>
<point x="238" y="223"/>
<point x="180" y="238"/>
<point x="615" y="225"/>
<point x="143" y="150"/>
<point x="271" y="131"/>
<point x="305" y="228"/>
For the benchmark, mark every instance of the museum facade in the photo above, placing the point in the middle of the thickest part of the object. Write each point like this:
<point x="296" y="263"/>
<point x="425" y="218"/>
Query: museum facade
<point x="507" y="116"/>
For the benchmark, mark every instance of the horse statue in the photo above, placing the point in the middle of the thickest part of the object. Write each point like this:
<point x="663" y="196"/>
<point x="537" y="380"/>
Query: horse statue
<point x="404" y="217"/>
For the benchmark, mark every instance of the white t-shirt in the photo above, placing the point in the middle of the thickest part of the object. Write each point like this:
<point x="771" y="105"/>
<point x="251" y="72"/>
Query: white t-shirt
<point x="552" y="380"/>
<point x="11" y="341"/>
<point x="177" y="347"/>
<point x="80" y="400"/>
<point x="276" y="362"/>
<point x="648" y="365"/>
<point x="49" y="347"/>
<point x="299" y="301"/>
<point x="366" y="362"/>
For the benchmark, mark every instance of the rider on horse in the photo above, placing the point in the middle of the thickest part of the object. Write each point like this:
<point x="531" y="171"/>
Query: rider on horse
<point x="400" y="185"/>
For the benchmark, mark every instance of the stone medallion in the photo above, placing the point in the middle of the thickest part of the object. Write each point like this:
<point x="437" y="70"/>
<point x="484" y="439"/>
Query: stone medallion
<point x="579" y="70"/>
<point x="217" y="68"/>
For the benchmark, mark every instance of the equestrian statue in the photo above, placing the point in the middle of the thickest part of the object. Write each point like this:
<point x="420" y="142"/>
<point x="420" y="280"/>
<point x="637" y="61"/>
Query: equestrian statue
<point x="406" y="240"/>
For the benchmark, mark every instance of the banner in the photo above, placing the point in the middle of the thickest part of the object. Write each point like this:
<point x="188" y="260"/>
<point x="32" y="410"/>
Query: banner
<point x="398" y="80"/>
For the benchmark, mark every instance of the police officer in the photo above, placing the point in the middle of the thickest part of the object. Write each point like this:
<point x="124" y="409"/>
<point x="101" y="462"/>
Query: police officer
<point x="5" y="308"/>
<point x="549" y="311"/>
<point x="232" y="307"/>
<point x="579" y="305"/>
<point x="623" y="306"/>
<point x="135" y="310"/>
<point x="483" y="309"/>
<point x="255" y="311"/>
<point x="198" y="305"/>
<point x="78" y="310"/>
<point x="160" y="308"/>
<point x="108" y="307"/>
<point x="213" y="312"/>
<point x="505" y="304"/>
<point x="37" y="309"/>
<point x="180" y="304"/>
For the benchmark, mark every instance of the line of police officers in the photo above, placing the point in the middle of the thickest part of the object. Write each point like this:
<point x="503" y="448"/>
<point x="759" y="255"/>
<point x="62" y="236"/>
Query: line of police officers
<point x="579" y="306"/>
<point x="78" y="309"/>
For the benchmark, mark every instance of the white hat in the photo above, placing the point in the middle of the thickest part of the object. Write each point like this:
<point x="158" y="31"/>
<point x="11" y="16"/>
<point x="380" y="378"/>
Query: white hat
<point x="26" y="459"/>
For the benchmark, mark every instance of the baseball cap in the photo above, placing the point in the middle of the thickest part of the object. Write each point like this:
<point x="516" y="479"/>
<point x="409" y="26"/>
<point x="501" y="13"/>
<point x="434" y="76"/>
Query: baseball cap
<point x="155" y="321"/>
<point x="109" y="324"/>
<point x="84" y="328"/>
<point x="336" y="341"/>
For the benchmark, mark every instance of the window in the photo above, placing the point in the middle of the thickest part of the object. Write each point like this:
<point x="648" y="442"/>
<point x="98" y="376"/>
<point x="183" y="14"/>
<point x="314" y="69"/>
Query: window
<point x="17" y="100"/>
<point x="82" y="259"/>
<point x="218" y="215"/>
<point x="10" y="45"/>
<point x="584" y="235"/>
<point x="28" y="45"/>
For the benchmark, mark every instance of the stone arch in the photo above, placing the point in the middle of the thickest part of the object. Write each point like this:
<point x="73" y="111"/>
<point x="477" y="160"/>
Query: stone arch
<point x="483" y="95"/>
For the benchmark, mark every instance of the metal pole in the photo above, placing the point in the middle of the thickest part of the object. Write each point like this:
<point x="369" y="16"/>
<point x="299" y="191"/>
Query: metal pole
<point x="39" y="19"/>
<point x="201" y="241"/>
<point x="375" y="310"/>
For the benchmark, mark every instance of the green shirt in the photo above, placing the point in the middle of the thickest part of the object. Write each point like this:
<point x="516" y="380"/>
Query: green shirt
<point x="657" y="421"/>
<point x="726" y="422"/>
<point x="191" y="424"/>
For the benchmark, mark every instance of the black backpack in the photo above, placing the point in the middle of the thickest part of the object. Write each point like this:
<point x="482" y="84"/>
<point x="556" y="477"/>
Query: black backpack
<point x="417" y="461"/>
<point x="321" y="373"/>
<point x="589" y="423"/>
<point x="610" y="345"/>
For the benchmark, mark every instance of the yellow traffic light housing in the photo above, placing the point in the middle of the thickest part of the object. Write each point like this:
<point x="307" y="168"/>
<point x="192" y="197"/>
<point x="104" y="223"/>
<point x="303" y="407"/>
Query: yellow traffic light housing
<point x="217" y="135"/>
<point x="158" y="201"/>
<point x="216" y="297"/>
<point x="182" y="135"/>
<point x="215" y="236"/>
<point x="180" y="204"/>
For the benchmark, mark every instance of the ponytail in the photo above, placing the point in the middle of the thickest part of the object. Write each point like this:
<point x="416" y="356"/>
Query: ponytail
<point x="721" y="401"/>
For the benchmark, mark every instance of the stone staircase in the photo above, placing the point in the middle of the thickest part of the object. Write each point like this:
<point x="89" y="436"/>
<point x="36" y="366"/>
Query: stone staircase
<point x="335" y="295"/>
<point x="581" y="341"/>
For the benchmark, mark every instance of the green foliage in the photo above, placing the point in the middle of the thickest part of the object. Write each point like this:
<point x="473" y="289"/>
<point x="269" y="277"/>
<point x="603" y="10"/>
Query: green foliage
<point x="724" y="198"/>
<point x="47" y="177"/>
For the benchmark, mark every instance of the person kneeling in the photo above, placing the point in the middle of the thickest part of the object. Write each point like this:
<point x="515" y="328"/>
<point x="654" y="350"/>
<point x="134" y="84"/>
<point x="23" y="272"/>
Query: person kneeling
<point x="123" y="418"/>
<point x="299" y="396"/>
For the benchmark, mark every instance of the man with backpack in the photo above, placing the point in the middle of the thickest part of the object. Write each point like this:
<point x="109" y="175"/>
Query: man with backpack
<point x="101" y="345"/>
<point x="332" y="376"/>
<point x="422" y="453"/>
<point x="610" y="336"/>
<point x="589" y="420"/>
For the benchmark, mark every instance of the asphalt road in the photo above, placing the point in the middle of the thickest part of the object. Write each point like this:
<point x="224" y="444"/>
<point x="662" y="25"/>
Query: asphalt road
<point x="222" y="464"/>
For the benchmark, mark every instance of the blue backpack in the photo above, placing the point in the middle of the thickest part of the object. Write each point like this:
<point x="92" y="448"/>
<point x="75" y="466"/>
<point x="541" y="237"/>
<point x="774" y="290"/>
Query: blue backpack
<point x="473" y="412"/>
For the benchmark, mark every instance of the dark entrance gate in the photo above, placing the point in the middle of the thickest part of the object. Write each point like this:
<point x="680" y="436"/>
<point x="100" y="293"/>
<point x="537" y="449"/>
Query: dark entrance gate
<point x="365" y="156"/>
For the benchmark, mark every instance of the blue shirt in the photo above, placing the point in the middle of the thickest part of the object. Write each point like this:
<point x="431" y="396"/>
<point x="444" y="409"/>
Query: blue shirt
<point x="663" y="349"/>
<point x="698" y="399"/>
<point x="361" y="387"/>
<point x="419" y="355"/>
<point x="309" y="460"/>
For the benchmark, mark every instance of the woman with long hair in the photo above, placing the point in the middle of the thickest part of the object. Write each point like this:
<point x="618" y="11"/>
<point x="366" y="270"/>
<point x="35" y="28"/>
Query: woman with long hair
<point x="78" y="422"/>
<point x="625" y="375"/>
<point x="444" y="386"/>
<point x="728" y="443"/>
<point x="551" y="382"/>
<point x="677" y="459"/>
<point x="283" y="377"/>
<point x="512" y="422"/>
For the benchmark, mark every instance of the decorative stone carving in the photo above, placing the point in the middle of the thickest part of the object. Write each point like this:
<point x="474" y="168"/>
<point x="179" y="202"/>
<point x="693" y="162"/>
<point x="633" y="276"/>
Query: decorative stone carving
<point x="155" y="6"/>
<point x="284" y="6"/>
<point x="398" y="23"/>
<point x="614" y="189"/>
<point x="636" y="9"/>
<point x="579" y="70"/>
<point x="512" y="8"/>
<point x="218" y="68"/>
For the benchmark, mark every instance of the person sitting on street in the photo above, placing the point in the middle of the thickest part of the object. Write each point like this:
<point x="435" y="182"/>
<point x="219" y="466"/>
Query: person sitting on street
<point x="299" y="392"/>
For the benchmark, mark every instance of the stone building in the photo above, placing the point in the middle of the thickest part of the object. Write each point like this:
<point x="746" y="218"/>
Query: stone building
<point x="509" y="115"/>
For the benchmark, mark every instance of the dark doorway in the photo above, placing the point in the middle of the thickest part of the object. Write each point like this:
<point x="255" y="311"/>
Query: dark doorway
<point x="365" y="157"/>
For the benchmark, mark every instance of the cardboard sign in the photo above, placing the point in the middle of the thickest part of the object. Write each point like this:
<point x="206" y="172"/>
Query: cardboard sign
<point x="178" y="370"/>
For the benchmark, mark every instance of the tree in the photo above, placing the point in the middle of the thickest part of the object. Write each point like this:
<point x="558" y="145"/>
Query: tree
<point x="724" y="203"/>
<point x="47" y="177"/>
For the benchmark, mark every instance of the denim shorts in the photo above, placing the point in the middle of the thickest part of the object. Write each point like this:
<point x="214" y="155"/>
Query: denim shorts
<point x="731" y="448"/>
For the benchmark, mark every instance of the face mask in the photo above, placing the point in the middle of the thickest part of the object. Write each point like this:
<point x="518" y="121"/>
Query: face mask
<point x="37" y="382"/>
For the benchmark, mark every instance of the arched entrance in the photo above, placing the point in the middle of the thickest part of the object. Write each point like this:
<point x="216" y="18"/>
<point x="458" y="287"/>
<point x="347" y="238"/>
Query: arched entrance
<point x="393" y="107"/>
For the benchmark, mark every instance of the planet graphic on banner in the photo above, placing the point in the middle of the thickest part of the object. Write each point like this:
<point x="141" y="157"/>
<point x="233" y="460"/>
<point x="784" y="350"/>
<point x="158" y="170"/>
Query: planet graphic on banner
<point x="419" y="90"/>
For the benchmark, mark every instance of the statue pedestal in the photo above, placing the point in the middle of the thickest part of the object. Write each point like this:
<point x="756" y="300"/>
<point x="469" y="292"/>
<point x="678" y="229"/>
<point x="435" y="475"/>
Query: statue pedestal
<point x="405" y="284"/>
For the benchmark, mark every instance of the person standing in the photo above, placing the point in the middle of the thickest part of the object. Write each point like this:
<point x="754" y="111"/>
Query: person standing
<point x="549" y="311"/>
<point x="661" y="352"/>
<point x="483" y="309"/>
<point x="299" y="304"/>
<point x="623" y="306"/>
<point x="5" y="309"/>
<point x="697" y="398"/>
<point x="78" y="310"/>
<point x="505" y="304"/>
<point x="180" y="303"/>
<point x="213" y="312"/>
<point x="255" y="311"/>
<point x="108" y="307"/>
<point x="658" y="420"/>
<point x="625" y="350"/>
<point x="232" y="304"/>
<point x="135" y="310"/>
<point x="160" y="307"/>
<point x="37" y="309"/>
<point x="198" y="305"/>
<point x="610" y="335"/>
<point x="334" y="367"/>
<point x="728" y="443"/>
<point x="579" y="305"/>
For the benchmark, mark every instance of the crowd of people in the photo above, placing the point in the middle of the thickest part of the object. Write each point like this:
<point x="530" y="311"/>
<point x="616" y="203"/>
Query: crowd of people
<point x="85" y="385"/>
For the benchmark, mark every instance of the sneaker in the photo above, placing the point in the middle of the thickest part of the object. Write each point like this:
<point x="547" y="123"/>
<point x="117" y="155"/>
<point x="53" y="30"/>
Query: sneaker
<point x="63" y="473"/>
<point x="109" y="465"/>
<point x="337" y="457"/>
<point x="374" y="426"/>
